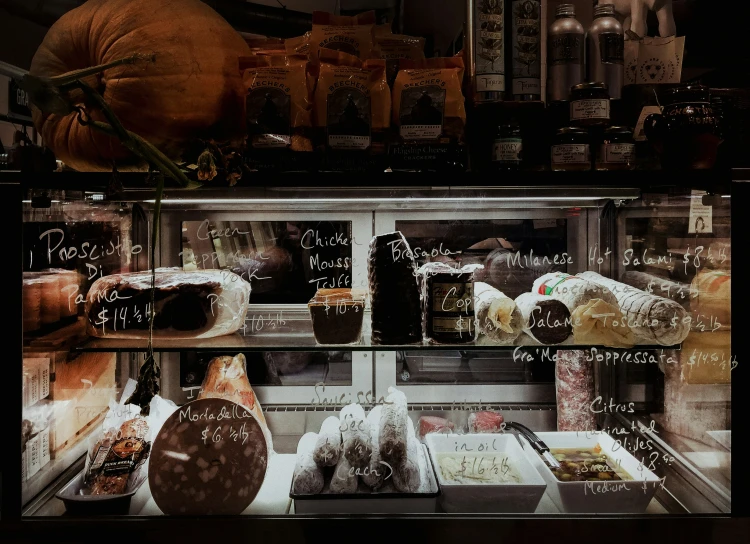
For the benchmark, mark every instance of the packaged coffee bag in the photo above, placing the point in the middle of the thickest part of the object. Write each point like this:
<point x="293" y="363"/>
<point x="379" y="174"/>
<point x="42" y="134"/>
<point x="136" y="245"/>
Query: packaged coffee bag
<point x="278" y="104"/>
<point x="427" y="100"/>
<point x="352" y="101"/>
<point x="351" y="35"/>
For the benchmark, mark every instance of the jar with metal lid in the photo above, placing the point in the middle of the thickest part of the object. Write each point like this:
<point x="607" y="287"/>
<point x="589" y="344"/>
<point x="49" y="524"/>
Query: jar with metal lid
<point x="570" y="150"/>
<point x="507" y="147"/>
<point x="589" y="104"/>
<point x="617" y="150"/>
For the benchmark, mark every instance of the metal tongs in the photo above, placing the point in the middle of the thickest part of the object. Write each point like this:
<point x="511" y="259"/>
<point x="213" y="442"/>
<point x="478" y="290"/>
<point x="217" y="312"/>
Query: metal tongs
<point x="535" y="443"/>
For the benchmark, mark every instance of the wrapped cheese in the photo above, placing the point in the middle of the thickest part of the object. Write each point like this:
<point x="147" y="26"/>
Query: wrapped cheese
<point x="711" y="291"/>
<point x="497" y="315"/>
<point x="328" y="447"/>
<point x="308" y="477"/>
<point x="545" y="319"/>
<point x="653" y="319"/>
<point x="602" y="324"/>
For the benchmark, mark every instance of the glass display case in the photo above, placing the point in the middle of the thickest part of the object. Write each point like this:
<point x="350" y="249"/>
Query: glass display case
<point x="639" y="424"/>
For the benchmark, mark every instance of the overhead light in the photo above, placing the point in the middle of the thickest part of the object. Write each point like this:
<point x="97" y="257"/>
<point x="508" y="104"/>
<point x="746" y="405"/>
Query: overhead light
<point x="376" y="200"/>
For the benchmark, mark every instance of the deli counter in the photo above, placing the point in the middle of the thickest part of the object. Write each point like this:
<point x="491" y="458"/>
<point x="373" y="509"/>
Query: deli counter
<point x="558" y="351"/>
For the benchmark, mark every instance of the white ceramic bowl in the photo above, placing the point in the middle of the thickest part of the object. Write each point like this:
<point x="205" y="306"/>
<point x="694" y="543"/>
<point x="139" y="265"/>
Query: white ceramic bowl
<point x="596" y="497"/>
<point x="509" y="497"/>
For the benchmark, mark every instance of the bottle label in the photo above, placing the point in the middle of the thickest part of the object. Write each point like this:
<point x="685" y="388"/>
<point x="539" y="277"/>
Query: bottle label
<point x="570" y="154"/>
<point x="590" y="108"/>
<point x="565" y="49"/>
<point x="612" y="48"/>
<point x="453" y="297"/>
<point x="489" y="46"/>
<point x="618" y="153"/>
<point x="526" y="36"/>
<point x="507" y="150"/>
<point x="455" y="325"/>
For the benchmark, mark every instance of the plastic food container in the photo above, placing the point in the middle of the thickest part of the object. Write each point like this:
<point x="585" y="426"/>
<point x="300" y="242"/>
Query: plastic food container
<point x="77" y="504"/>
<point x="337" y="315"/>
<point x="626" y="497"/>
<point x="366" y="501"/>
<point x="492" y="452"/>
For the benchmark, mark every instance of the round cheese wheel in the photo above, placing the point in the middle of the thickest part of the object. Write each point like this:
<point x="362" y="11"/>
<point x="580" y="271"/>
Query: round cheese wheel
<point x="210" y="457"/>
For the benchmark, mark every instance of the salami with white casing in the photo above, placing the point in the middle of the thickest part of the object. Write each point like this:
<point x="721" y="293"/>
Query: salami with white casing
<point x="406" y="476"/>
<point x="394" y="432"/>
<point x="308" y="477"/>
<point x="355" y="434"/>
<point x="573" y="291"/>
<point x="545" y="319"/>
<point x="375" y="474"/>
<point x="652" y="318"/>
<point x="344" y="478"/>
<point x="498" y="317"/>
<point x="328" y="447"/>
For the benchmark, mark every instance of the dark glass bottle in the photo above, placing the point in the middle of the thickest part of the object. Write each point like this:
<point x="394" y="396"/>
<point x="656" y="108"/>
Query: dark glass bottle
<point x="507" y="148"/>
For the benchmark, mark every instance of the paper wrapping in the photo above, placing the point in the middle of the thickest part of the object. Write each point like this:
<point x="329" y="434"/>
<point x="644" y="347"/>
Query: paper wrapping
<point x="599" y="323"/>
<point x="654" y="60"/>
<point x="653" y="319"/>
<point x="497" y="315"/>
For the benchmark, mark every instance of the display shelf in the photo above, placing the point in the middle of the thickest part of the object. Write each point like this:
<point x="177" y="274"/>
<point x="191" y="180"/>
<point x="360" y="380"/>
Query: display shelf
<point x="717" y="180"/>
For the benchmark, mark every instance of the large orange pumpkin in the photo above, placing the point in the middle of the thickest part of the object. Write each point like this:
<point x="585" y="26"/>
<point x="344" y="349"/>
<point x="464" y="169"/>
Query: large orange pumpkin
<point x="191" y="89"/>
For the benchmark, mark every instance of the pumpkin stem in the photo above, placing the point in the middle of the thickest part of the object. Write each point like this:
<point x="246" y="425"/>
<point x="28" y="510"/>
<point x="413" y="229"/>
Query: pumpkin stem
<point x="132" y="141"/>
<point x="73" y="77"/>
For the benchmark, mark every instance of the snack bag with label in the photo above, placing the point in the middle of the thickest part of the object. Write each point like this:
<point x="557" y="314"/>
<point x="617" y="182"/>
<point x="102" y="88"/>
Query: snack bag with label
<point x="427" y="100"/>
<point x="352" y="101"/>
<point x="278" y="102"/>
<point x="117" y="459"/>
<point x="351" y="35"/>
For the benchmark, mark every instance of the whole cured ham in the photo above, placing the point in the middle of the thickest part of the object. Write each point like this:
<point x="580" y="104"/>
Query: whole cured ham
<point x="226" y="378"/>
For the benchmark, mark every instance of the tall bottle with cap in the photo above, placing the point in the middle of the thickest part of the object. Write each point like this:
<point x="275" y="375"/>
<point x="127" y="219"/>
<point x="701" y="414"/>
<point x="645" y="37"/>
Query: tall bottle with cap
<point x="605" y="50"/>
<point x="565" y="53"/>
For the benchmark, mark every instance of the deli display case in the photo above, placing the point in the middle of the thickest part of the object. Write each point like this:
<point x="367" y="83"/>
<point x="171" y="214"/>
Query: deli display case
<point x="477" y="277"/>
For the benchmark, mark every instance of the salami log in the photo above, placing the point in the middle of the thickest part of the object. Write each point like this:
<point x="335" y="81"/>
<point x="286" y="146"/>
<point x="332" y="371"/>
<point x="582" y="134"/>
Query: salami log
<point x="344" y="478"/>
<point x="394" y="432"/>
<point x="711" y="290"/>
<point x="653" y="319"/>
<point x="406" y="477"/>
<point x="545" y="319"/>
<point x="308" y="477"/>
<point x="328" y="447"/>
<point x="355" y="434"/>
<point x="376" y="472"/>
<point x="394" y="294"/>
<point x="513" y="272"/>
<point x="573" y="291"/>
<point x="498" y="317"/>
<point x="574" y="384"/>
<point x="600" y="324"/>
<point x="673" y="290"/>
